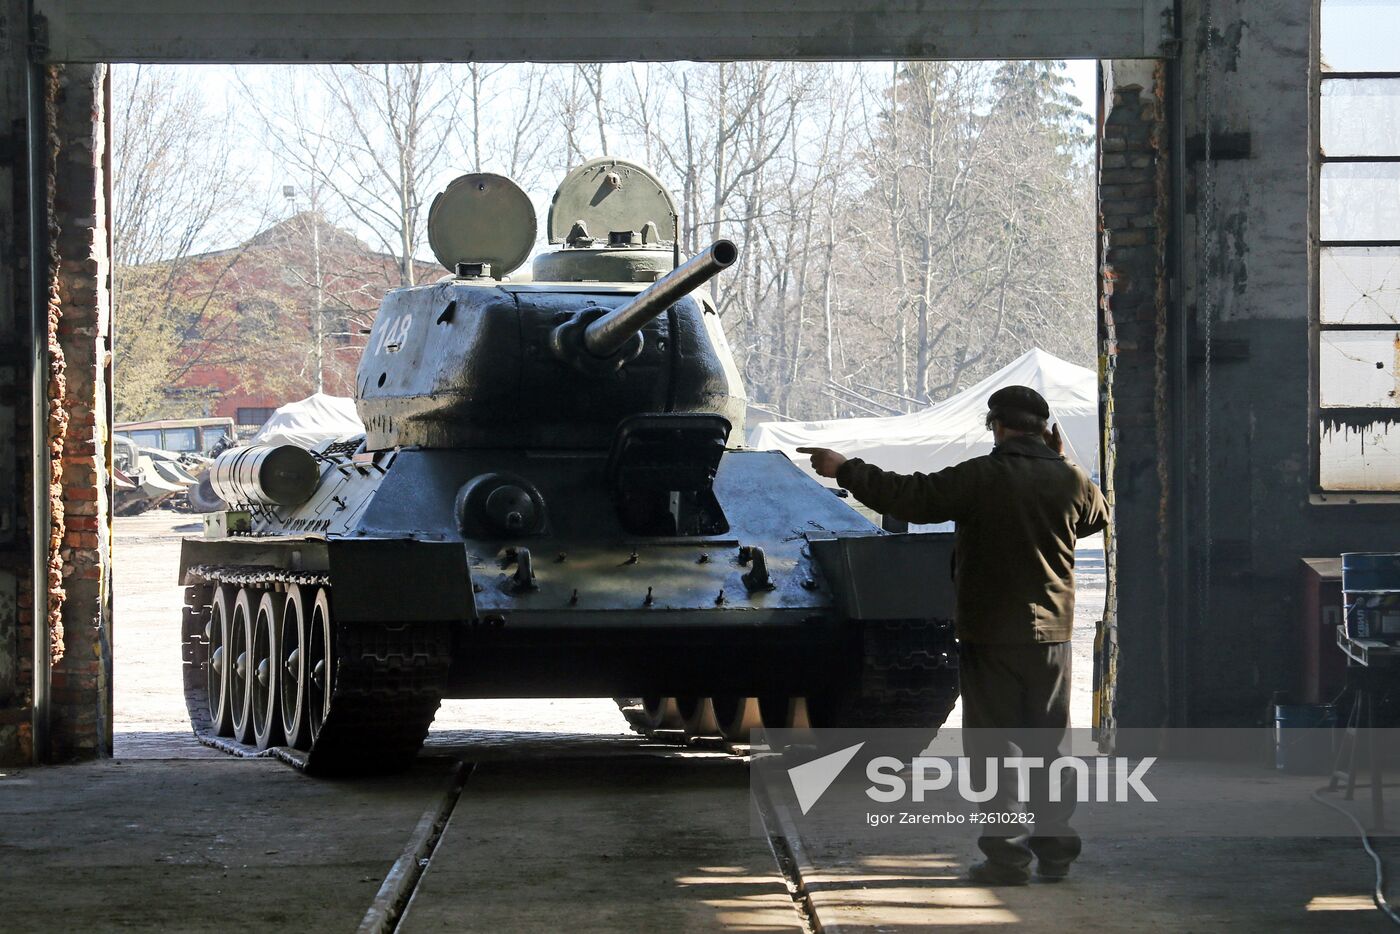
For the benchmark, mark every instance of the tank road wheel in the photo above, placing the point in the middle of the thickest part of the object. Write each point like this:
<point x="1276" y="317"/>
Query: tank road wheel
<point x="662" y="713"/>
<point x="266" y="660"/>
<point x="216" y="670"/>
<point x="240" y="681"/>
<point x="785" y="713"/>
<point x="698" y="717"/>
<point x="291" y="678"/>
<point x="320" y="663"/>
<point x="737" y="716"/>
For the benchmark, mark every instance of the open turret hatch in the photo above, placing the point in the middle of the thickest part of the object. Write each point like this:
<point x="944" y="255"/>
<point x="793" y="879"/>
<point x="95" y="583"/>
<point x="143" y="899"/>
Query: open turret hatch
<point x="482" y="225"/>
<point x="606" y="200"/>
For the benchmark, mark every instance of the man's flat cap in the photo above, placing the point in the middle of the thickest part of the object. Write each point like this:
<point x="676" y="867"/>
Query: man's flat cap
<point x="1019" y="399"/>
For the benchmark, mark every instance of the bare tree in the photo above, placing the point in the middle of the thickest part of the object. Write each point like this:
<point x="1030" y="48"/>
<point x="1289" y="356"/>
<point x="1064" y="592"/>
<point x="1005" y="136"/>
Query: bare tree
<point x="520" y="133"/>
<point x="372" y="137"/>
<point x="174" y="191"/>
<point x="902" y="225"/>
<point x="976" y="184"/>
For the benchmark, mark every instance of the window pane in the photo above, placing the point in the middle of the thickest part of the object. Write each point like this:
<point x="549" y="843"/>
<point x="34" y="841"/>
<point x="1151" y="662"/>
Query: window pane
<point x="211" y="436"/>
<point x="251" y="416"/>
<point x="1357" y="369"/>
<point x="1360" y="285"/>
<point x="1360" y="455"/>
<point x="1361" y="118"/>
<point x="1359" y="35"/>
<point x="1361" y="201"/>
<point x="146" y="438"/>
<point x="181" y="440"/>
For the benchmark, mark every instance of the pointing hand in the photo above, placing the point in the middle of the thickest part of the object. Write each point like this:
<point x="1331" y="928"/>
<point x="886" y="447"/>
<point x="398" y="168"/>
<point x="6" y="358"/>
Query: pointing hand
<point x="824" y="460"/>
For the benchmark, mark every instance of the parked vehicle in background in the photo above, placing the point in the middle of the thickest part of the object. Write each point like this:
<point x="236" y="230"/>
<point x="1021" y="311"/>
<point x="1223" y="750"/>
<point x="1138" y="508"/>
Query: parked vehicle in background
<point x="158" y="462"/>
<point x="145" y="478"/>
<point x="181" y="435"/>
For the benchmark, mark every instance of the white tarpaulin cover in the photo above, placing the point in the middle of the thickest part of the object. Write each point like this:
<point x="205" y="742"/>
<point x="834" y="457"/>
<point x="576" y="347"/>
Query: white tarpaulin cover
<point x="317" y="418"/>
<point x="955" y="429"/>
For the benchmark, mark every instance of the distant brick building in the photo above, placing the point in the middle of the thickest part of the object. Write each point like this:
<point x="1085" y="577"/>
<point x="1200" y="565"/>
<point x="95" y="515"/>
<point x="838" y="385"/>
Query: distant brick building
<point x="247" y="337"/>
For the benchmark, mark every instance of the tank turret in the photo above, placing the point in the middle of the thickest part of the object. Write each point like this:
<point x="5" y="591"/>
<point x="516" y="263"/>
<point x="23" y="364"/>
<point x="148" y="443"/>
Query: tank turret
<point x="479" y="359"/>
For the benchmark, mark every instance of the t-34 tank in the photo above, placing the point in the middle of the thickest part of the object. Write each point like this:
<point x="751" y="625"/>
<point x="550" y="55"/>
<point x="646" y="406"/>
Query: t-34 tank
<point x="551" y="499"/>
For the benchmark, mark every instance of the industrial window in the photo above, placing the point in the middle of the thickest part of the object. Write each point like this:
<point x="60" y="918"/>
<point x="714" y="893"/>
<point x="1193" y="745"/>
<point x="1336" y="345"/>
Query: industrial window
<point x="147" y="438"/>
<point x="1358" y="225"/>
<point x="211" y="435"/>
<point x="181" y="440"/>
<point x="254" y="416"/>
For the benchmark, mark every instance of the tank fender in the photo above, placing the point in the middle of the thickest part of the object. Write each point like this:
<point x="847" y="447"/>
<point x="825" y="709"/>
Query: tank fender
<point x="881" y="576"/>
<point x="381" y="580"/>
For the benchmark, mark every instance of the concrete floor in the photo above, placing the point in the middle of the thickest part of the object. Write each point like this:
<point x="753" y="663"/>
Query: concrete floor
<point x="604" y="843"/>
<point x="565" y="823"/>
<point x="579" y="833"/>
<point x="199" y="845"/>
<point x="1161" y="875"/>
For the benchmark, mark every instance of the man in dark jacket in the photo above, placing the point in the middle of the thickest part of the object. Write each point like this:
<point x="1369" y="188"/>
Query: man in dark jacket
<point x="1019" y="512"/>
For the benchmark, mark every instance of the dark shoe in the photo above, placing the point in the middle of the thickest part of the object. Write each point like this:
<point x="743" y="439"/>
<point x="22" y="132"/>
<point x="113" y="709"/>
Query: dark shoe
<point x="1008" y="851"/>
<point x="1060" y="848"/>
<point x="1052" y="870"/>
<point x="988" y="872"/>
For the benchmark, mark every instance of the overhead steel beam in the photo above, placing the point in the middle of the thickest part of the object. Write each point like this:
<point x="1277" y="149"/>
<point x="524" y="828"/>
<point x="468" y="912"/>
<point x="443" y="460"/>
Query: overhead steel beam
<point x="624" y="30"/>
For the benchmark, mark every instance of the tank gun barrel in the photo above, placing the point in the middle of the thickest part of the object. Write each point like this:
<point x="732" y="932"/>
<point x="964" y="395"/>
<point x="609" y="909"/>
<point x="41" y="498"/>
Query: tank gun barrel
<point x="611" y="333"/>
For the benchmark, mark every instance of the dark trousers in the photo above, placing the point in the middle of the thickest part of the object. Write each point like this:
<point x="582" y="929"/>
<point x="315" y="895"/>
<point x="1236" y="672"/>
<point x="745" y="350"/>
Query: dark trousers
<point x="1018" y="695"/>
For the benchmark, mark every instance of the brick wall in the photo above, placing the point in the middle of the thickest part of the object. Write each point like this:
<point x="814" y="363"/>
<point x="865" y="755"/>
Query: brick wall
<point x="82" y="678"/>
<point x="74" y="616"/>
<point x="1134" y="201"/>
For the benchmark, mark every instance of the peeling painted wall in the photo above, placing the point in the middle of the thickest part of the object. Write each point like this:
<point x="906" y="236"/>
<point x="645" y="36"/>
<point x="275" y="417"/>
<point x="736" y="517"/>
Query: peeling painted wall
<point x="1248" y="290"/>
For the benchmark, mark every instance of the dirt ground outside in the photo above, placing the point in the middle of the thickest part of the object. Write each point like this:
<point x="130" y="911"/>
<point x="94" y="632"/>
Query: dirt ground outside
<point x="149" y="701"/>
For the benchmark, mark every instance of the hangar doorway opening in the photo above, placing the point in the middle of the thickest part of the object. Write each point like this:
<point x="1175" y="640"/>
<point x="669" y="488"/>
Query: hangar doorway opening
<point x="910" y="233"/>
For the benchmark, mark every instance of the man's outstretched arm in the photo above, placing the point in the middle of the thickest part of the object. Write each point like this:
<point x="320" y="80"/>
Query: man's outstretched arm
<point x="916" y="497"/>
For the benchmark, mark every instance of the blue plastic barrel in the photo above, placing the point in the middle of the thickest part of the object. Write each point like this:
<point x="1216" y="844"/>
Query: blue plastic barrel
<point x="1371" y="591"/>
<point x="1303" y="738"/>
<point x="1371" y="572"/>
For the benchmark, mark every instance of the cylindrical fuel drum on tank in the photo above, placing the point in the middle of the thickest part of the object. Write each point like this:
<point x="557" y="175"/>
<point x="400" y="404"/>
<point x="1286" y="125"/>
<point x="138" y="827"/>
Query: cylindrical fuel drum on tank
<point x="265" y="475"/>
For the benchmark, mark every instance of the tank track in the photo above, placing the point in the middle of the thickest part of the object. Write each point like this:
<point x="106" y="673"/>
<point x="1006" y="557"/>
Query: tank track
<point x="388" y="681"/>
<point x="907" y="678"/>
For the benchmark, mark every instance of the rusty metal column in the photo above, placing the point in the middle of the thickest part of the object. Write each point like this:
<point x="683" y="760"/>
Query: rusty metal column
<point x="12" y="331"/>
<point x="24" y="670"/>
<point x="39" y="417"/>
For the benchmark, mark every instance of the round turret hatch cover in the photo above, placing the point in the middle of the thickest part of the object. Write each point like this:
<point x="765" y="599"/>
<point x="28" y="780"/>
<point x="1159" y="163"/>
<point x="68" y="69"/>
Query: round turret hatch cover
<point x="482" y="218"/>
<point x="611" y="194"/>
